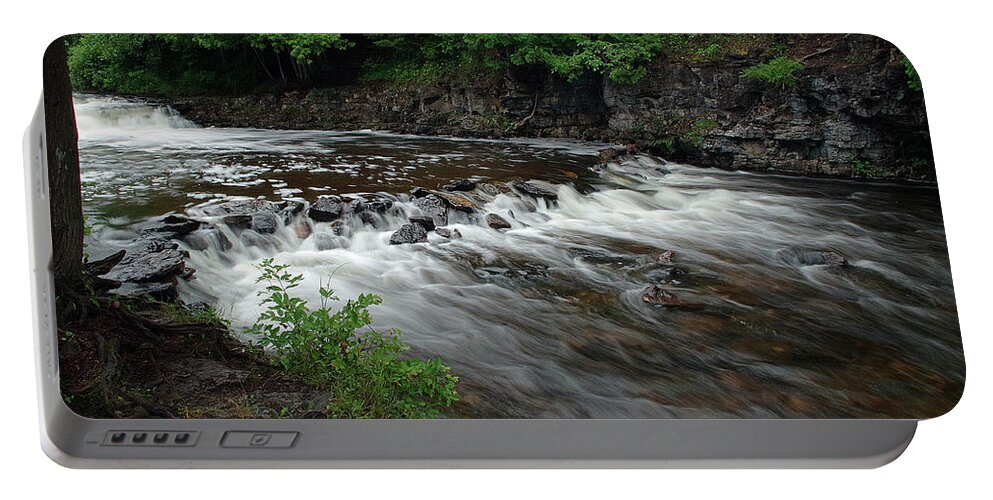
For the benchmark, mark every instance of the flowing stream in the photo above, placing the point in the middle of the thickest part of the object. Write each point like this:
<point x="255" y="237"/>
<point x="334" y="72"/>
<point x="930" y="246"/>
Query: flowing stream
<point x="548" y="318"/>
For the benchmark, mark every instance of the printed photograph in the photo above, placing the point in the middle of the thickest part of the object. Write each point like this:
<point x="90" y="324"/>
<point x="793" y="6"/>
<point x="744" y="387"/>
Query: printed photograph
<point x="480" y="226"/>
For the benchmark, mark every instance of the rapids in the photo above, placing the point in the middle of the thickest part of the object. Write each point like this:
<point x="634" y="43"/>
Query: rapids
<point x="547" y="318"/>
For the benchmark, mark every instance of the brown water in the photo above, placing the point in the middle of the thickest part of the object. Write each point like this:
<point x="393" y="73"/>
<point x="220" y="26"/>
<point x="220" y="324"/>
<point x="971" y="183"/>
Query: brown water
<point x="547" y="319"/>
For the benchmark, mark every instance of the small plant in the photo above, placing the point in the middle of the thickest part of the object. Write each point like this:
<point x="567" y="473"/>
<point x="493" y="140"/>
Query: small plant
<point x="340" y="351"/>
<point x="863" y="168"/>
<point x="913" y="79"/>
<point x="663" y="144"/>
<point x="781" y="71"/>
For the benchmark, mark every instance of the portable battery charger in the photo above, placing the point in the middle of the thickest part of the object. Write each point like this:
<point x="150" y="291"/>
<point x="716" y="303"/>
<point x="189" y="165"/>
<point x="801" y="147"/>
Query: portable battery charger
<point x="486" y="250"/>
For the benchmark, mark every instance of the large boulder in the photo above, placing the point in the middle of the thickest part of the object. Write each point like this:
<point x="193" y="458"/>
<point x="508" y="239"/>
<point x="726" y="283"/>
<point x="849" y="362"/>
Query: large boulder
<point x="327" y="208"/>
<point x="409" y="233"/>
<point x="264" y="222"/>
<point x="433" y="206"/>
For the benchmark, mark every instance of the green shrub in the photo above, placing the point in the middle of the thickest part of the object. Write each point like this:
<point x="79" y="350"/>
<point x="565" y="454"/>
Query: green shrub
<point x="781" y="71"/>
<point x="340" y="351"/>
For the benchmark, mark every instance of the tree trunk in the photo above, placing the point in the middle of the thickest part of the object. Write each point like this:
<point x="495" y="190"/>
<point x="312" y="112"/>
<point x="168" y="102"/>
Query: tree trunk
<point x="61" y="142"/>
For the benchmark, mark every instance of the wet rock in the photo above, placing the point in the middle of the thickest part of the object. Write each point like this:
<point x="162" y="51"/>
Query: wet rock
<point x="419" y="192"/>
<point x="513" y="271"/>
<point x="457" y="201"/>
<point x="423" y="220"/>
<point x="808" y="257"/>
<point x="327" y="208"/>
<point x="243" y="207"/>
<point x="460" y="185"/>
<point x="151" y="260"/>
<point x="667" y="257"/>
<point x="492" y="189"/>
<point x="656" y="295"/>
<point x="238" y="221"/>
<point x="290" y="209"/>
<point x="174" y="226"/>
<point x="264" y="222"/>
<point x="432" y="206"/>
<point x="409" y="233"/>
<point x="534" y="191"/>
<point x="598" y="257"/>
<point x="376" y="205"/>
<point x="496" y="221"/>
<point x="452" y="234"/>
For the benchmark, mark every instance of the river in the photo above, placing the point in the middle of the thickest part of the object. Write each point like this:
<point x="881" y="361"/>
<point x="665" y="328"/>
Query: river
<point x="547" y="318"/>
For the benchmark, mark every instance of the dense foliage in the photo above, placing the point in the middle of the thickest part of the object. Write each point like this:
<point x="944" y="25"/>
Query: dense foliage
<point x="206" y="63"/>
<point x="173" y="63"/>
<point x="340" y="350"/>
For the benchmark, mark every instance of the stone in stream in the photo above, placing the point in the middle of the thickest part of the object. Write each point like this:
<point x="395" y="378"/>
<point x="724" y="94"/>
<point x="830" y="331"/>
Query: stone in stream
<point x="264" y="222"/>
<point x="656" y="295"/>
<point x="432" y="206"/>
<point x="377" y="205"/>
<point x="238" y="221"/>
<point x="460" y="185"/>
<point x="150" y="260"/>
<point x="409" y="233"/>
<point x="261" y="216"/>
<point x="423" y="220"/>
<point x="290" y="209"/>
<point x="807" y="257"/>
<point x="327" y="208"/>
<point x="533" y="191"/>
<point x="457" y="201"/>
<point x="452" y="234"/>
<point x="174" y="226"/>
<point x="419" y="192"/>
<point x="496" y="221"/>
<point x="667" y="257"/>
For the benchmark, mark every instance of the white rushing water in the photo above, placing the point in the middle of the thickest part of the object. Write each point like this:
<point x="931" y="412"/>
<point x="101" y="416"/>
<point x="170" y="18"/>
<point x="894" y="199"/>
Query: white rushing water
<point x="546" y="319"/>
